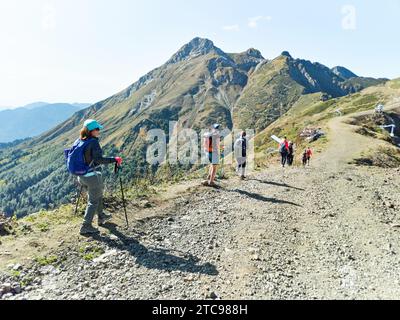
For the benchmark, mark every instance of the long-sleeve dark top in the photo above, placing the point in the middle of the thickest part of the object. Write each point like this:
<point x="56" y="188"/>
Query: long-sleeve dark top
<point x="94" y="153"/>
<point x="291" y="150"/>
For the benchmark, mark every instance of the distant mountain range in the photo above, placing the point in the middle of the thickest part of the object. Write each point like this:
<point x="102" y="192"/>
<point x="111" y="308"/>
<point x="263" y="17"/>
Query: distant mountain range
<point x="34" y="119"/>
<point x="198" y="86"/>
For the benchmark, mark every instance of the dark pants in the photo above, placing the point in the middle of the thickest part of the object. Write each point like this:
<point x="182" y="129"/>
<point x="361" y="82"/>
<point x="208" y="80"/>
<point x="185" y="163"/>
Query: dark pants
<point x="284" y="158"/>
<point x="290" y="159"/>
<point x="242" y="167"/>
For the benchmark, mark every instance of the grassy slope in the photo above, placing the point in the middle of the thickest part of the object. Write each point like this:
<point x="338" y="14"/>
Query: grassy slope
<point x="270" y="92"/>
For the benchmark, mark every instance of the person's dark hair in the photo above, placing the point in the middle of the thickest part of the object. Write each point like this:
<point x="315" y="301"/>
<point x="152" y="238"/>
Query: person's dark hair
<point x="85" y="134"/>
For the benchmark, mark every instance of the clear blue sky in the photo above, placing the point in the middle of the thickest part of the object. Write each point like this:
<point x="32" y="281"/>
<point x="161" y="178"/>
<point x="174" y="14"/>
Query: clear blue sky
<point x="87" y="50"/>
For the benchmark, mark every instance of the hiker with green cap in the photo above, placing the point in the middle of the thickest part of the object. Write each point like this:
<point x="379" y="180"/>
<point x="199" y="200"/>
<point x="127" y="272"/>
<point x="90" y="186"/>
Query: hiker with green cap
<point x="93" y="180"/>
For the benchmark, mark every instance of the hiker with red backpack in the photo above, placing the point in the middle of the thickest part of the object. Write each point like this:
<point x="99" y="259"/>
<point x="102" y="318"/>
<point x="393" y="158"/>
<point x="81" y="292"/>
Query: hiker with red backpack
<point x="284" y="151"/>
<point x="211" y="148"/>
<point x="84" y="160"/>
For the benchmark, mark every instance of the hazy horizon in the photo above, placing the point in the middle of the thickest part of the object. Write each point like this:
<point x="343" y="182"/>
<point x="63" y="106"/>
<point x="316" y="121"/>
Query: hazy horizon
<point x="2" y="108"/>
<point x="92" y="49"/>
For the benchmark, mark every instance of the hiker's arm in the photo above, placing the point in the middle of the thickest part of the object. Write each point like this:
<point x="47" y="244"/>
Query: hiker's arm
<point x="97" y="155"/>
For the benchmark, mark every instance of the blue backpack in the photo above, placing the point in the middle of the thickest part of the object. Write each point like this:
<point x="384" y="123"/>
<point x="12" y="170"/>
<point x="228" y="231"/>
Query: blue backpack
<point x="282" y="148"/>
<point x="75" y="159"/>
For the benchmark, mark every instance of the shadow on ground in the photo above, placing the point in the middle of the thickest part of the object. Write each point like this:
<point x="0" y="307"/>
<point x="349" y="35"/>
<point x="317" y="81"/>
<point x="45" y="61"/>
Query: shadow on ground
<point x="277" y="184"/>
<point x="155" y="258"/>
<point x="260" y="197"/>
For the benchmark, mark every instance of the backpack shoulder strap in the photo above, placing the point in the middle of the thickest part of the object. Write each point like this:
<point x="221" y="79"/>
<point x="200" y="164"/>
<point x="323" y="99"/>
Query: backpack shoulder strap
<point x="85" y="145"/>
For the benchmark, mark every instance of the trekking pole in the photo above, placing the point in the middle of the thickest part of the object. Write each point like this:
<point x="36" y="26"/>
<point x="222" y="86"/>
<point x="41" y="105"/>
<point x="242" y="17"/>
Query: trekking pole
<point x="77" y="200"/>
<point x="117" y="168"/>
<point x="222" y="166"/>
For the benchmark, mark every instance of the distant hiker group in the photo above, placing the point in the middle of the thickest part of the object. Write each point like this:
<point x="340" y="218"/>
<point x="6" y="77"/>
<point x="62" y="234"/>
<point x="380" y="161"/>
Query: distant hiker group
<point x="212" y="150"/>
<point x="287" y="152"/>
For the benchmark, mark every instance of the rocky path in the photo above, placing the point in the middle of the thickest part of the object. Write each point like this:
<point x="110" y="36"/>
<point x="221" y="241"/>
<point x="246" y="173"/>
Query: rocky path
<point x="328" y="231"/>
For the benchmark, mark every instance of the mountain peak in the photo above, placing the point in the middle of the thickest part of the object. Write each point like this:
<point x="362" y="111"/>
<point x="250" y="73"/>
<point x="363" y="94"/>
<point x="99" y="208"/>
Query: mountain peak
<point x="286" y="54"/>
<point x="201" y="43"/>
<point x="343" y="72"/>
<point x="196" y="47"/>
<point x="254" y="53"/>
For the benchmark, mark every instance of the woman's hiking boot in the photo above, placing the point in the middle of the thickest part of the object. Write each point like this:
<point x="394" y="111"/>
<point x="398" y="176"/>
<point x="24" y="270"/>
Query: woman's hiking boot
<point x="88" y="230"/>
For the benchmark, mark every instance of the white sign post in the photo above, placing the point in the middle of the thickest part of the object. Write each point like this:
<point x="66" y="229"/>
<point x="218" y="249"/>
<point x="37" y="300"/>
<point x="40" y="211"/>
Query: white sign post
<point x="390" y="126"/>
<point x="275" y="138"/>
